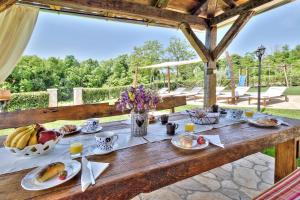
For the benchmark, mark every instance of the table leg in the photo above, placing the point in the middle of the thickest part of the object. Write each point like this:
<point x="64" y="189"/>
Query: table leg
<point x="285" y="159"/>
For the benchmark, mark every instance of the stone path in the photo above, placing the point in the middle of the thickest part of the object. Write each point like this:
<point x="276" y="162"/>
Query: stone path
<point x="242" y="179"/>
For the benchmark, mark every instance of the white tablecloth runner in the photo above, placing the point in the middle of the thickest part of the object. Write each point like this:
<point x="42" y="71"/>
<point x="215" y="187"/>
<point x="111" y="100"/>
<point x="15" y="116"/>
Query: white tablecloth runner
<point x="156" y="132"/>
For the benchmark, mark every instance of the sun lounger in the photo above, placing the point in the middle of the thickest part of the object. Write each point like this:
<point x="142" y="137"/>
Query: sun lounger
<point x="218" y="92"/>
<point x="240" y="91"/>
<point x="162" y="90"/>
<point x="194" y="91"/>
<point x="271" y="93"/>
<point x="178" y="91"/>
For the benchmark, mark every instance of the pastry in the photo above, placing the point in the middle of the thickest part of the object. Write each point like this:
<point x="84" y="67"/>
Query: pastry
<point x="186" y="141"/>
<point x="68" y="129"/>
<point x="50" y="171"/>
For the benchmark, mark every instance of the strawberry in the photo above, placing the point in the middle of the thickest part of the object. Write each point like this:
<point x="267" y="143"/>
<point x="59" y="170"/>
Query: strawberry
<point x="201" y="140"/>
<point x="63" y="175"/>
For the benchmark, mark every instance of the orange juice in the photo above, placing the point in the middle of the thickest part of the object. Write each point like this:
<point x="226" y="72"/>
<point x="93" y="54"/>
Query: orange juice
<point x="249" y="113"/>
<point x="76" y="148"/>
<point x="189" y="127"/>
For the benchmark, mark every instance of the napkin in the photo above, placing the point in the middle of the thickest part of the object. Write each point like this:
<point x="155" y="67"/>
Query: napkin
<point x="214" y="139"/>
<point x="97" y="168"/>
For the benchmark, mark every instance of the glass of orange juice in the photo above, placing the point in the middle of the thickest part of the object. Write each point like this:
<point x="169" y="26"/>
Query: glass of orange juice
<point x="76" y="149"/>
<point x="249" y="113"/>
<point x="189" y="127"/>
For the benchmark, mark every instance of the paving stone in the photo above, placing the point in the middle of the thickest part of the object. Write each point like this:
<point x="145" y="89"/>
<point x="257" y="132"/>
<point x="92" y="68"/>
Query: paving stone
<point x="264" y="186"/>
<point x="177" y="190"/>
<point x="136" y="198"/>
<point x="191" y="184"/>
<point x="265" y="157"/>
<point x="256" y="160"/>
<point x="229" y="184"/>
<point x="250" y="192"/>
<point x="243" y="163"/>
<point x="260" y="168"/>
<point x="246" y="177"/>
<point x="209" y="175"/>
<point x="207" y="196"/>
<point x="164" y="194"/>
<point x="233" y="194"/>
<point x="210" y="183"/>
<point x="268" y="176"/>
<point x="221" y="173"/>
<point x="227" y="167"/>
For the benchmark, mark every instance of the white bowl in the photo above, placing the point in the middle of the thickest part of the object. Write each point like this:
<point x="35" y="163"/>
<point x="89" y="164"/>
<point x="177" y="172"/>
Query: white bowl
<point x="35" y="150"/>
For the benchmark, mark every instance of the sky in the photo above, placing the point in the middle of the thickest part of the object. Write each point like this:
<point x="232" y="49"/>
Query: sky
<point x="59" y="35"/>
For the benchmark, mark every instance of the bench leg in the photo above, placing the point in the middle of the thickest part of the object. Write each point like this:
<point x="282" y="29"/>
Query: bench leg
<point x="285" y="159"/>
<point x="249" y="101"/>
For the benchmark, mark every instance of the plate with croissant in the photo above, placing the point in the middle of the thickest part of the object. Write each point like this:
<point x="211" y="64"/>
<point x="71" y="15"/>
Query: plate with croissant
<point x="69" y="129"/>
<point x="265" y="122"/>
<point x="51" y="175"/>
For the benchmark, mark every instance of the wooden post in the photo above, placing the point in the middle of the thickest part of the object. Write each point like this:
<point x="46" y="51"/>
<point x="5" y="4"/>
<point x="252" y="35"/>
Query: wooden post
<point x="232" y="77"/>
<point x="135" y="78"/>
<point x="247" y="76"/>
<point x="285" y="75"/>
<point x="285" y="159"/>
<point x="210" y="79"/>
<point x="169" y="79"/>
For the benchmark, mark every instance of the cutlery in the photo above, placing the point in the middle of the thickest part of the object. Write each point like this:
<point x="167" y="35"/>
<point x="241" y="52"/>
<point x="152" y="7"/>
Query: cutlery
<point x="89" y="166"/>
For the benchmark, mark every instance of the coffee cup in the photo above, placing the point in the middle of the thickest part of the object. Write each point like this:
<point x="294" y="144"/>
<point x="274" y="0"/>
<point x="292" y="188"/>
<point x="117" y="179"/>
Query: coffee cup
<point x="92" y="124"/>
<point x="164" y="119"/>
<point x="105" y="140"/>
<point x="171" y="127"/>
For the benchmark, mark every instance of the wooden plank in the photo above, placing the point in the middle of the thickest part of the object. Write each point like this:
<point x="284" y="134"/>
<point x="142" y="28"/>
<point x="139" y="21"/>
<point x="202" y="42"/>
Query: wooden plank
<point x="199" y="8"/>
<point x="230" y="3"/>
<point x="231" y="34"/>
<point x="285" y="159"/>
<point x="123" y="8"/>
<point x="232" y="77"/>
<point x="5" y="4"/>
<point x="211" y="8"/>
<point x="141" y="168"/>
<point x="195" y="42"/>
<point x="160" y="3"/>
<point x="248" y="6"/>
<point x="79" y="112"/>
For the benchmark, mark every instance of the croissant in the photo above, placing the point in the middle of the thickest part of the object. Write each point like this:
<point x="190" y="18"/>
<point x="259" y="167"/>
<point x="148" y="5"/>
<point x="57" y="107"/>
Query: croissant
<point x="50" y="171"/>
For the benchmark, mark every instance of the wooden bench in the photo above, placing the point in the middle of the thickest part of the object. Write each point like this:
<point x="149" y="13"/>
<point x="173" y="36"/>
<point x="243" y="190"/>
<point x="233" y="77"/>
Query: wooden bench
<point x="288" y="188"/>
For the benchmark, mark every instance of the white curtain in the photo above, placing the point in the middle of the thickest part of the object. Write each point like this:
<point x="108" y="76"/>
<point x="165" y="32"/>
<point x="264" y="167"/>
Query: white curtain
<point x="16" y="26"/>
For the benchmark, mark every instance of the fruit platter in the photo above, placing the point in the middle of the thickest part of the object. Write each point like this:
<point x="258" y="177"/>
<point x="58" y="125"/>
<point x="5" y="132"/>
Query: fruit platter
<point x="32" y="140"/>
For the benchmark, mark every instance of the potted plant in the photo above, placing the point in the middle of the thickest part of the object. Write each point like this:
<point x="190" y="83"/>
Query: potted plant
<point x="139" y="101"/>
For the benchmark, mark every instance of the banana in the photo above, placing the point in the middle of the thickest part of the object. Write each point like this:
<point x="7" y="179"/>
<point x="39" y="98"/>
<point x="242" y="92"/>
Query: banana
<point x="33" y="138"/>
<point x="19" y="136"/>
<point x="11" y="136"/>
<point x="21" y="144"/>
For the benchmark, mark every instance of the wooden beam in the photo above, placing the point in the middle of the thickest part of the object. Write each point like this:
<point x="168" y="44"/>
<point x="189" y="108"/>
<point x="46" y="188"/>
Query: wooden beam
<point x="231" y="33"/>
<point x="128" y="9"/>
<point x="232" y="78"/>
<point x="195" y="42"/>
<point x="285" y="159"/>
<point x="199" y="8"/>
<point x="78" y="112"/>
<point x="160" y="3"/>
<point x="4" y="4"/>
<point x="250" y="5"/>
<point x="211" y="8"/>
<point x="230" y="3"/>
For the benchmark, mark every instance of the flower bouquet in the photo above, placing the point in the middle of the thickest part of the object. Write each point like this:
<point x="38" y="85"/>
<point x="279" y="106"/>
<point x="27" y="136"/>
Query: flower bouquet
<point x="139" y="101"/>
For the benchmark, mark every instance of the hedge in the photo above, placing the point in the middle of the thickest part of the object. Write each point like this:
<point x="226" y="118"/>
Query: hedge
<point x="28" y="100"/>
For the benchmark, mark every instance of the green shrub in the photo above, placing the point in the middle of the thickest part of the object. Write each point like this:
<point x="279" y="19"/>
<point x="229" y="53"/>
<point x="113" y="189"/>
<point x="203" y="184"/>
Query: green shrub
<point x="28" y="100"/>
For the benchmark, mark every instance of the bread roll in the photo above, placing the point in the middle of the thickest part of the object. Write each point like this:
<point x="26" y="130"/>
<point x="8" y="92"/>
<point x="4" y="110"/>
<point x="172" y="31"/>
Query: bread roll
<point x="50" y="171"/>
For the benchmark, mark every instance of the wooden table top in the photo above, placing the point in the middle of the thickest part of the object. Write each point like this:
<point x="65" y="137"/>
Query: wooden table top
<point x="150" y="166"/>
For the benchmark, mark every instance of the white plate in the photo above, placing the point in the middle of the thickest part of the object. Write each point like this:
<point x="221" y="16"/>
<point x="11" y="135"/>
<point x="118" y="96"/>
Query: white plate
<point x="96" y="151"/>
<point x="195" y="145"/>
<point x="30" y="183"/>
<point x="254" y="122"/>
<point x="84" y="129"/>
<point x="78" y="128"/>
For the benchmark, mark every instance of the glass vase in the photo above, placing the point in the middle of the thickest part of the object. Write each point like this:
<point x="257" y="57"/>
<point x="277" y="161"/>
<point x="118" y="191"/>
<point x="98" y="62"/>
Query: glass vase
<point x="139" y="123"/>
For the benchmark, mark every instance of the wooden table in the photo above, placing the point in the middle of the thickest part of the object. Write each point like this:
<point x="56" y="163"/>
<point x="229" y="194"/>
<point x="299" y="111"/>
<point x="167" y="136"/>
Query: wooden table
<point x="150" y="166"/>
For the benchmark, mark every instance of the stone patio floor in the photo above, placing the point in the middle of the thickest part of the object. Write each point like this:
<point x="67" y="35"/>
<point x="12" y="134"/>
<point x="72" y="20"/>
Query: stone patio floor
<point x="242" y="179"/>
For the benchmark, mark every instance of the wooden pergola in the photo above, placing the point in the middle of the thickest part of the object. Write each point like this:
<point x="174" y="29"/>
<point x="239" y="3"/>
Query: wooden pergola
<point x="186" y="15"/>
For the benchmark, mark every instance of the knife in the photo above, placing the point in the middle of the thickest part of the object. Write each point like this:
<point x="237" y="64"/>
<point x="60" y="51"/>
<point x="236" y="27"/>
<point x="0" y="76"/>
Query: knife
<point x="89" y="166"/>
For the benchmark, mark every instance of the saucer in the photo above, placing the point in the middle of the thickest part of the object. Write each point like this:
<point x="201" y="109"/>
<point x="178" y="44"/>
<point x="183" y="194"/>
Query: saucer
<point x="94" y="150"/>
<point x="85" y="130"/>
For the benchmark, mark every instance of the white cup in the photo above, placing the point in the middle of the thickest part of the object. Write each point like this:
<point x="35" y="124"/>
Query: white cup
<point x="92" y="124"/>
<point x="105" y="140"/>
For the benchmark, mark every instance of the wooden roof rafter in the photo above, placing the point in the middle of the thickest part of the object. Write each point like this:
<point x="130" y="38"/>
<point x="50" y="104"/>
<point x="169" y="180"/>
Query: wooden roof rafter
<point x="160" y="3"/>
<point x="4" y="4"/>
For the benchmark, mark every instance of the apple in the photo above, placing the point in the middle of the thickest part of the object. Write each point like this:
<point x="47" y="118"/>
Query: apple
<point x="40" y="128"/>
<point x="201" y="140"/>
<point x="47" y="135"/>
